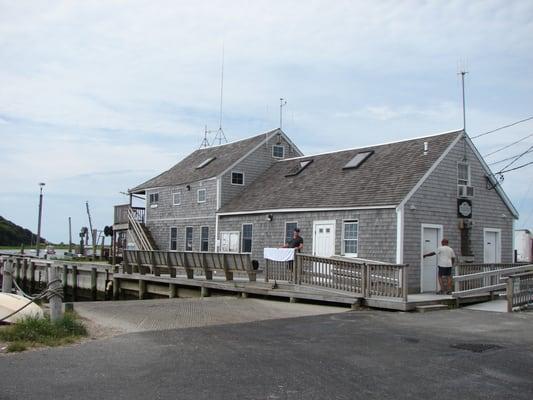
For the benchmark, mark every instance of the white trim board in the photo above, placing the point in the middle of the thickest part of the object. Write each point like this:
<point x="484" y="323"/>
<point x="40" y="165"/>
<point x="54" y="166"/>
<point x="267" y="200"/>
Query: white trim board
<point x="288" y="210"/>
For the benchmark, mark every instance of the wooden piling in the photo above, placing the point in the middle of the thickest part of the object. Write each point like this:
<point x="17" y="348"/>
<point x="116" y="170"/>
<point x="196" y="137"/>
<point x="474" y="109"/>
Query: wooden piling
<point x="116" y="289"/>
<point x="55" y="300"/>
<point x="64" y="280"/>
<point x="93" y="283"/>
<point x="74" y="283"/>
<point x="204" y="292"/>
<point x="24" y="283"/>
<point x="142" y="289"/>
<point x="172" y="290"/>
<point x="7" y="283"/>
<point x="32" y="277"/>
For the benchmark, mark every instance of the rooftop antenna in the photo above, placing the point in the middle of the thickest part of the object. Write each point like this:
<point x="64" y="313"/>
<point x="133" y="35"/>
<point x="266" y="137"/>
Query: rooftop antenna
<point x="463" y="72"/>
<point x="282" y="102"/>
<point x="220" y="136"/>
<point x="205" y="141"/>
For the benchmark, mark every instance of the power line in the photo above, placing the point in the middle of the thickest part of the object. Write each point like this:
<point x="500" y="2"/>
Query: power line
<point x="515" y="168"/>
<point x="509" y="158"/>
<point x="502" y="127"/>
<point x="517" y="158"/>
<point x="509" y="145"/>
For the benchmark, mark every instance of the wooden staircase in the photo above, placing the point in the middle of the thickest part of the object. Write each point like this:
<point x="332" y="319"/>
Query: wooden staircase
<point x="140" y="233"/>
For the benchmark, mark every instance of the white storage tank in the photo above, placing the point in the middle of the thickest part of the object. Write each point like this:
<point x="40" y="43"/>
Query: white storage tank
<point x="523" y="244"/>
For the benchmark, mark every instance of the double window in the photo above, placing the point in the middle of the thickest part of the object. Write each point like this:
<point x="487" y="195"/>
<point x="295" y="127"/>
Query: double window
<point x="174" y="239"/>
<point x="202" y="195"/>
<point x="246" y="246"/>
<point x="237" y="178"/>
<point x="350" y="235"/>
<point x="154" y="198"/>
<point x="278" y="151"/>
<point x="204" y="240"/>
<point x="289" y="230"/>
<point x="188" y="238"/>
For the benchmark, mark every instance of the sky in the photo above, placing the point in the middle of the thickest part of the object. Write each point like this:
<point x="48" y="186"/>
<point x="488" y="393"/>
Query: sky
<point x="98" y="96"/>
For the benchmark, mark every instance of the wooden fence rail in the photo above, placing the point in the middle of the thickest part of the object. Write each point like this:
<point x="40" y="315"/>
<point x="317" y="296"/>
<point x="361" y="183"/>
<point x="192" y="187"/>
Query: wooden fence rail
<point x="485" y="278"/>
<point x="361" y="278"/>
<point x="519" y="290"/>
<point x="190" y="263"/>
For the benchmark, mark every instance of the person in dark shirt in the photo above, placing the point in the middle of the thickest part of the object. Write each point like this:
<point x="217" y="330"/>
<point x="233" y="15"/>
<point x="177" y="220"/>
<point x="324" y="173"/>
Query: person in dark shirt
<point x="297" y="242"/>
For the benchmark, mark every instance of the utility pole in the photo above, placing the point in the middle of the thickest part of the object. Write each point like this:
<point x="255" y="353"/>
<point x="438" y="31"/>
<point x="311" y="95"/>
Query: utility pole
<point x="91" y="230"/>
<point x="70" y="235"/>
<point x="41" y="184"/>
<point x="282" y="103"/>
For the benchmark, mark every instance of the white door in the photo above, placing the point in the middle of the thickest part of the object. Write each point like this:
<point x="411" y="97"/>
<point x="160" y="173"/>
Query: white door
<point x="491" y="247"/>
<point x="430" y="242"/>
<point x="324" y="238"/>
<point x="229" y="242"/>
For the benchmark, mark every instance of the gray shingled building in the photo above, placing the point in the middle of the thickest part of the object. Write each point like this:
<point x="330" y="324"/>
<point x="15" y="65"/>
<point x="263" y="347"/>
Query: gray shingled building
<point x="390" y="202"/>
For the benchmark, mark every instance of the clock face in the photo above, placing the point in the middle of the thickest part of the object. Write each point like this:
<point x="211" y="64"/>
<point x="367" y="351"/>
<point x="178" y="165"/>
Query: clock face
<point x="464" y="208"/>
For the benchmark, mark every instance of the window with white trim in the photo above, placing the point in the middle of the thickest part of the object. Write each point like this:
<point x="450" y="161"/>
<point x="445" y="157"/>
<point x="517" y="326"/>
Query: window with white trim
<point x="154" y="198"/>
<point x="204" y="240"/>
<point x="188" y="238"/>
<point x="350" y="235"/>
<point x="176" y="198"/>
<point x="463" y="173"/>
<point x="202" y="195"/>
<point x="278" y="151"/>
<point x="247" y="238"/>
<point x="174" y="239"/>
<point x="237" y="178"/>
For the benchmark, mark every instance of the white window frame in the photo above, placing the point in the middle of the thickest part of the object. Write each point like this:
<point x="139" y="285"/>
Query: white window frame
<point x="237" y="172"/>
<point x="170" y="239"/>
<point x="242" y="238"/>
<point x="278" y="145"/>
<point x="198" y="195"/>
<point x="285" y="230"/>
<point x="153" y="204"/>
<point x="177" y="192"/>
<point x="202" y="239"/>
<point x="469" y="181"/>
<point x="185" y="239"/>
<point x="343" y="239"/>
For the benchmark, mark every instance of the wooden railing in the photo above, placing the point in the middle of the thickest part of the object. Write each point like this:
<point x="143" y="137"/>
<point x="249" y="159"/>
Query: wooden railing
<point x="361" y="278"/>
<point x="139" y="235"/>
<point x="519" y="290"/>
<point x="484" y="278"/>
<point x="121" y="213"/>
<point x="189" y="263"/>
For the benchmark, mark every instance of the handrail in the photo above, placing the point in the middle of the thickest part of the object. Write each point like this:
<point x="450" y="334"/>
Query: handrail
<point x="519" y="290"/>
<point x="140" y="237"/>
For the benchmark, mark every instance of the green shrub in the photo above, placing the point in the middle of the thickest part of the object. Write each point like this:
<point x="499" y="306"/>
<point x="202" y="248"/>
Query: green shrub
<point x="34" y="331"/>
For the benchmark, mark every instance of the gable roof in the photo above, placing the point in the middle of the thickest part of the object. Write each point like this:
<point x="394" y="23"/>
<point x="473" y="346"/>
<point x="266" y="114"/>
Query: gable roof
<point x="223" y="157"/>
<point x="382" y="179"/>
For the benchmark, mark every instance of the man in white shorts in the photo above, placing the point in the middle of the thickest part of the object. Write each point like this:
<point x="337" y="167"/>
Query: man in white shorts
<point x="445" y="261"/>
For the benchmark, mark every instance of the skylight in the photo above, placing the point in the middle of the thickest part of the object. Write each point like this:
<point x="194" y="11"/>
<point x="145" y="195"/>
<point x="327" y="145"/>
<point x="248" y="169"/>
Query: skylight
<point x="299" y="167"/>
<point x="205" y="162"/>
<point x="358" y="159"/>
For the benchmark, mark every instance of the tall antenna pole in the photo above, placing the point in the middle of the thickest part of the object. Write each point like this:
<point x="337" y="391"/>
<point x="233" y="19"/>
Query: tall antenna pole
<point x="463" y="73"/>
<point x="282" y="102"/>
<point x="69" y="235"/>
<point x="220" y="136"/>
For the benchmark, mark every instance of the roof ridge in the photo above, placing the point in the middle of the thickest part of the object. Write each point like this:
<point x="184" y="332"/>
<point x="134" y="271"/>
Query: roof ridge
<point x="372" y="145"/>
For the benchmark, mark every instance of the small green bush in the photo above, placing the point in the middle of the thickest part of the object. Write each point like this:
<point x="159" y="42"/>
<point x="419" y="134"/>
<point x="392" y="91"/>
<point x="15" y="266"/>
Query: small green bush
<point x="34" y="331"/>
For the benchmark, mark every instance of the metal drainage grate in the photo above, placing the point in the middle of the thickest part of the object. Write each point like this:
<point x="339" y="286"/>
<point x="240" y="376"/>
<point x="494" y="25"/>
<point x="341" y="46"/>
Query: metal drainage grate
<point x="475" y="347"/>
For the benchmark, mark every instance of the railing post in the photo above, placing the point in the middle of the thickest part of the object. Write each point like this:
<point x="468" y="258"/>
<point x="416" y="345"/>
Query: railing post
<point x="510" y="291"/>
<point x="266" y="269"/>
<point x="295" y="273"/>
<point x="404" y="283"/>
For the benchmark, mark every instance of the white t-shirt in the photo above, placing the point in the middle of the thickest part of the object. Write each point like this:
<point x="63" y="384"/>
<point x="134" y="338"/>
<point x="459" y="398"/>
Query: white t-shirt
<point x="444" y="256"/>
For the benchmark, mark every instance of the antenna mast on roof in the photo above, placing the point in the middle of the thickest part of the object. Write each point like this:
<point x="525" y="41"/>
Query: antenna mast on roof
<point x="463" y="72"/>
<point x="205" y="141"/>
<point x="282" y="102"/>
<point x="220" y="136"/>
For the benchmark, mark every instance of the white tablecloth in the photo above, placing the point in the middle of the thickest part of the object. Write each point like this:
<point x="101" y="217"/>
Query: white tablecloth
<point x="278" y="254"/>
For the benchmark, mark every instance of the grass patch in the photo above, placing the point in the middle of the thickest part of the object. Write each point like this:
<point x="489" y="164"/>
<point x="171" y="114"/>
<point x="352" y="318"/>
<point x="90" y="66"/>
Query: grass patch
<point x="34" y="332"/>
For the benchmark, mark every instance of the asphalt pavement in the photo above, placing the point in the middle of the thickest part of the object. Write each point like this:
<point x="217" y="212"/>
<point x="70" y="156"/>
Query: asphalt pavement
<point x="456" y="354"/>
